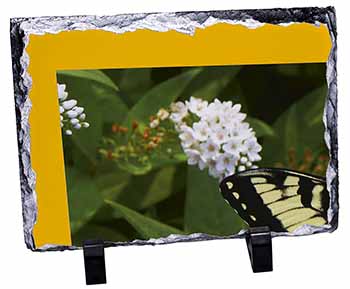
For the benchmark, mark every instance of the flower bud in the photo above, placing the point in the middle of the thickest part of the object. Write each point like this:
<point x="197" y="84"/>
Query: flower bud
<point x="74" y="121"/>
<point x="77" y="126"/>
<point x="78" y="109"/>
<point x="134" y="124"/>
<point x="241" y="168"/>
<point x="115" y="128"/>
<point x="69" y="104"/>
<point x="71" y="114"/>
<point x="154" y="123"/>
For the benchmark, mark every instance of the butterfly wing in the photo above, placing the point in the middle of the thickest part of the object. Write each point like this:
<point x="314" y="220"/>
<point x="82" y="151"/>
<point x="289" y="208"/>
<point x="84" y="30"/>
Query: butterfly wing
<point x="281" y="199"/>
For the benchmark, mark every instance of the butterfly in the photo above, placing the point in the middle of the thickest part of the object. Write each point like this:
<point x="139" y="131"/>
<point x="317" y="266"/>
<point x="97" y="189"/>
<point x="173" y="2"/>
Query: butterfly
<point x="282" y="199"/>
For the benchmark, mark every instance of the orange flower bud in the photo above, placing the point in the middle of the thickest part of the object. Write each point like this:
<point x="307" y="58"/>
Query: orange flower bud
<point x="308" y="156"/>
<point x="151" y="145"/>
<point x="110" y="155"/>
<point x="123" y="129"/>
<point x="134" y="124"/>
<point x="323" y="158"/>
<point x="156" y="139"/>
<point x="115" y="128"/>
<point x="318" y="168"/>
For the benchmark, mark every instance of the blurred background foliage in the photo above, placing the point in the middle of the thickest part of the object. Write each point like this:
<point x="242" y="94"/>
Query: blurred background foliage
<point x="284" y="104"/>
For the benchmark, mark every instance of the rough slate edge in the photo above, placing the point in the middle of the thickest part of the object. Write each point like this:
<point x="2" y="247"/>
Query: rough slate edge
<point x="185" y="22"/>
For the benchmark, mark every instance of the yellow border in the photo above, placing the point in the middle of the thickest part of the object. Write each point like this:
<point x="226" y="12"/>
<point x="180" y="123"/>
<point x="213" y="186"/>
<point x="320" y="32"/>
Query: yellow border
<point x="221" y="44"/>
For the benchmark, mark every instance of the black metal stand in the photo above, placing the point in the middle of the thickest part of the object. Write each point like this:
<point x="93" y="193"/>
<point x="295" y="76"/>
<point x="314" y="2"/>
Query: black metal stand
<point x="94" y="260"/>
<point x="259" y="243"/>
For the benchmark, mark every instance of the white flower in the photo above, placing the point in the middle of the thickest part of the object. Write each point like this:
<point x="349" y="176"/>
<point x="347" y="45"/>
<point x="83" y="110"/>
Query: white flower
<point x="240" y="131"/>
<point x="196" y="105"/>
<point x="179" y="111"/>
<point x="252" y="149"/>
<point x="71" y="115"/>
<point x="62" y="94"/>
<point x="210" y="149"/>
<point x="69" y="104"/>
<point x="213" y="114"/>
<point x="201" y="130"/>
<point x="227" y="106"/>
<point x="194" y="156"/>
<point x="236" y="115"/>
<point x="154" y="123"/>
<point x="233" y="147"/>
<point x="163" y="114"/>
<point x="219" y="135"/>
<point x="226" y="163"/>
<point x="186" y="136"/>
<point x="212" y="169"/>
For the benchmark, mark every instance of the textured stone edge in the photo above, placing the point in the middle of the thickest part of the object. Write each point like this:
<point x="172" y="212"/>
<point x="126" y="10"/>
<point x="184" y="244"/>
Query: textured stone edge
<point x="184" y="22"/>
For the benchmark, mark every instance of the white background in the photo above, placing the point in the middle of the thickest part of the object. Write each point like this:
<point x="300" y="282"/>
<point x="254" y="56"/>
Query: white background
<point x="318" y="261"/>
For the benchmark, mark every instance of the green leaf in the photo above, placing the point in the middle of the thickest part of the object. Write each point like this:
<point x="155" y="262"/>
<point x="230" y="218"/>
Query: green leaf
<point x="164" y="160"/>
<point x="160" y="188"/>
<point x="86" y="193"/>
<point x="99" y="232"/>
<point x="206" y="210"/>
<point x="261" y="128"/>
<point x="298" y="128"/>
<point x="207" y="85"/>
<point x="90" y="75"/>
<point x="161" y="95"/>
<point x="134" y="167"/>
<point x="147" y="227"/>
<point x="147" y="190"/>
<point x="134" y="83"/>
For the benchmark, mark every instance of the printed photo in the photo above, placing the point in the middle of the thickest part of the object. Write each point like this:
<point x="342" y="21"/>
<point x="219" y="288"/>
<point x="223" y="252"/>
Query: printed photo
<point x="151" y="152"/>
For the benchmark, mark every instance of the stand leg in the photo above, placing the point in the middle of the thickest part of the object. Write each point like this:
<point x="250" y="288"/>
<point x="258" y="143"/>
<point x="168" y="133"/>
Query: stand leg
<point x="94" y="260"/>
<point x="259" y="243"/>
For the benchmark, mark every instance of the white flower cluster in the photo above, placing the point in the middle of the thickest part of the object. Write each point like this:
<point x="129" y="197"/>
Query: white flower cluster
<point x="219" y="139"/>
<point x="71" y="115"/>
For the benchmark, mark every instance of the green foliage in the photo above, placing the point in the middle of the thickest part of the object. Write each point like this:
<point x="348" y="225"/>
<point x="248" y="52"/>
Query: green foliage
<point x="162" y="95"/>
<point x="87" y="193"/>
<point x="147" y="227"/>
<point x="207" y="85"/>
<point x="261" y="128"/>
<point x="205" y="210"/>
<point x="125" y="198"/>
<point x="146" y="190"/>
<point x="300" y="127"/>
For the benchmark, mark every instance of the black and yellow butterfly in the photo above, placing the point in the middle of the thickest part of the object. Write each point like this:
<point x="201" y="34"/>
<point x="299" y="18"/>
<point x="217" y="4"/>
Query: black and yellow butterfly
<point x="282" y="199"/>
